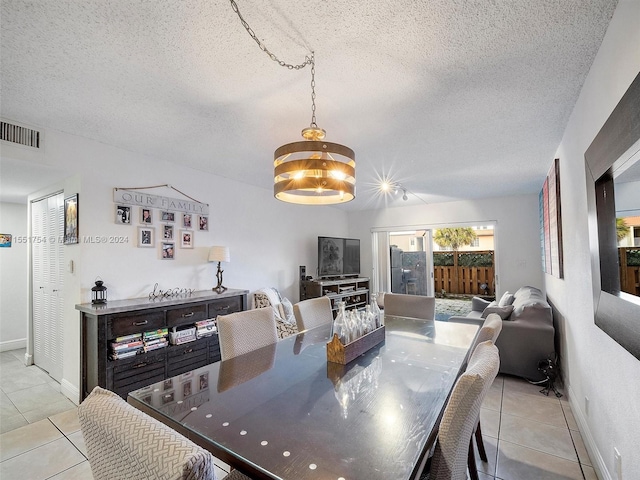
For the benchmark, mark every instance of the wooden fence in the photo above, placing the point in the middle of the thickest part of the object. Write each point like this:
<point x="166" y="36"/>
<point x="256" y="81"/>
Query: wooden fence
<point x="629" y="274"/>
<point x="464" y="273"/>
<point x="467" y="281"/>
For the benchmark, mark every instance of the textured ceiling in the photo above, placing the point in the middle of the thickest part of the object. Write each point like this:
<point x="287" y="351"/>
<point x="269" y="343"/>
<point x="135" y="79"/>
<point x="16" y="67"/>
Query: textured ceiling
<point x="452" y="98"/>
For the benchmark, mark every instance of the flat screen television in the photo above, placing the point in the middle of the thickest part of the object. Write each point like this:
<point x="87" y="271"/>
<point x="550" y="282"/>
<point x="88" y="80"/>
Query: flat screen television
<point x="338" y="257"/>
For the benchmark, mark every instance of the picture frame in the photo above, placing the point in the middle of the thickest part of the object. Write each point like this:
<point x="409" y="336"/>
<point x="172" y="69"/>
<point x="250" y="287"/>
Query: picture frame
<point x="146" y="236"/>
<point x="167" y="216"/>
<point x="187" y="220"/>
<point x="203" y="223"/>
<point x="71" y="219"/>
<point x="167" y="384"/>
<point x="203" y="381"/>
<point x="123" y="214"/>
<point x="186" y="238"/>
<point x="5" y="240"/>
<point x="187" y="389"/>
<point x="167" y="232"/>
<point x="146" y="216"/>
<point x="168" y="250"/>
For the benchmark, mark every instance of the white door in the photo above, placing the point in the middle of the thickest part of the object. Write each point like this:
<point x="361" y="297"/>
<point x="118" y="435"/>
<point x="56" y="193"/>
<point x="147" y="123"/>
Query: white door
<point x="47" y="227"/>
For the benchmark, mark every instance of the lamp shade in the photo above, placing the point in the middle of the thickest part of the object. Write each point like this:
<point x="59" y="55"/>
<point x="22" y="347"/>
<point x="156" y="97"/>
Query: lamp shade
<point x="219" y="254"/>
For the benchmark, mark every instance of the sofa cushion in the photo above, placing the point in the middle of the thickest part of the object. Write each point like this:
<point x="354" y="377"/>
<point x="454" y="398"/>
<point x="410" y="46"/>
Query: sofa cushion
<point x="503" y="312"/>
<point x="506" y="299"/>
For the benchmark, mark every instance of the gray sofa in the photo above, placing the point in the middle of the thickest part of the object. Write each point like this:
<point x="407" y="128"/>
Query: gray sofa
<point x="527" y="330"/>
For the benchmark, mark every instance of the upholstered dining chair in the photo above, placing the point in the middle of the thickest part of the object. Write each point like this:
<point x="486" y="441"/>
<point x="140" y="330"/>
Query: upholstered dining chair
<point x="313" y="312"/>
<point x="124" y="443"/>
<point x="415" y="306"/>
<point x="242" y="332"/>
<point x="450" y="457"/>
<point x="490" y="330"/>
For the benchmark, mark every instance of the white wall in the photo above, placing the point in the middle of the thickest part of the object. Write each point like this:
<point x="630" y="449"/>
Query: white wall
<point x="14" y="273"/>
<point x="517" y="234"/>
<point x="594" y="365"/>
<point x="268" y="239"/>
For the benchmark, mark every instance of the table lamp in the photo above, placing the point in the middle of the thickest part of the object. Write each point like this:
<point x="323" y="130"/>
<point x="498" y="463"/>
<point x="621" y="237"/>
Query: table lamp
<point x="219" y="254"/>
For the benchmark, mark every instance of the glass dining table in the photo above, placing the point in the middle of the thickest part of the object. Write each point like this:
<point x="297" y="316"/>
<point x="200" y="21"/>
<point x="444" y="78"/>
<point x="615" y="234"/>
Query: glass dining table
<point x="284" y="412"/>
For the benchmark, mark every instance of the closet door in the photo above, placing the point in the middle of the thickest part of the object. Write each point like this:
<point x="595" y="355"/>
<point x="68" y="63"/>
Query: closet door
<point x="47" y="224"/>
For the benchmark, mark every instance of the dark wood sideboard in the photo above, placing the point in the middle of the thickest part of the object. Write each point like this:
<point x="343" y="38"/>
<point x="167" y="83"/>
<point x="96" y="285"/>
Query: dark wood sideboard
<point x="101" y="324"/>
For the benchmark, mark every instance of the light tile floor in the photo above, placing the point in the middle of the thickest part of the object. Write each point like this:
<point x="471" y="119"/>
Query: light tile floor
<point x="526" y="434"/>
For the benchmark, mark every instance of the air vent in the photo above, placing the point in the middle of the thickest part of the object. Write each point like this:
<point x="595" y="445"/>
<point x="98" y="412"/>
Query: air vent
<point x="20" y="135"/>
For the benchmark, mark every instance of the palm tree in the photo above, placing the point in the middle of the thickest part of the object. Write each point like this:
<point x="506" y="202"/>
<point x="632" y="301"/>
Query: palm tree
<point x="454" y="237"/>
<point x="621" y="229"/>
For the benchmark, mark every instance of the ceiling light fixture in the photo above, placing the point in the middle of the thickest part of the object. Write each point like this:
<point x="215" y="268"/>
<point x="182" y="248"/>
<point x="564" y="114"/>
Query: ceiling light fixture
<point x="310" y="172"/>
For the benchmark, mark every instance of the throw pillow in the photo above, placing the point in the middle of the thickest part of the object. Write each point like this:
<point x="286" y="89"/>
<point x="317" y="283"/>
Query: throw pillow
<point x="261" y="300"/>
<point x="504" y="312"/>
<point x="506" y="299"/>
<point x="287" y="311"/>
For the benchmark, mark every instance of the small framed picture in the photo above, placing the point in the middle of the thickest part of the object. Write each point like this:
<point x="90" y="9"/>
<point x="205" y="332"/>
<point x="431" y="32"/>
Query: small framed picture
<point x="203" y="381"/>
<point x="168" y="216"/>
<point x="145" y="216"/>
<point x="71" y="219"/>
<point x="186" y="220"/>
<point x="203" y="223"/>
<point x="167" y="232"/>
<point x="186" y="239"/>
<point x="186" y="389"/>
<point x="146" y="236"/>
<point x="5" y="240"/>
<point x="167" y="384"/>
<point x="123" y="214"/>
<point x="168" y="250"/>
<point x="168" y="397"/>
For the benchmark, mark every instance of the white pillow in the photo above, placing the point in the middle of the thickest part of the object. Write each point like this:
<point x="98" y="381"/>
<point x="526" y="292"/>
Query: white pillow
<point x="286" y="311"/>
<point x="506" y="299"/>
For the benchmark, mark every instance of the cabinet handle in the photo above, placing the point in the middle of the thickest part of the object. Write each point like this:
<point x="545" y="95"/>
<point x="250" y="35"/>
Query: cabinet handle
<point x="187" y="315"/>
<point x="137" y="324"/>
<point x="143" y="364"/>
<point x="187" y="351"/>
<point x="226" y="307"/>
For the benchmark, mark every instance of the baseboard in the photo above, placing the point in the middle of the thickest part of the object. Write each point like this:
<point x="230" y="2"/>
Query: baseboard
<point x="70" y="391"/>
<point x="13" y="344"/>
<point x="594" y="454"/>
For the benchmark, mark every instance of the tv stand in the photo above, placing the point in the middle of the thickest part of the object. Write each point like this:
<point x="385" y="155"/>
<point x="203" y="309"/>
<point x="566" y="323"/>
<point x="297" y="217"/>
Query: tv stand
<point x="353" y="291"/>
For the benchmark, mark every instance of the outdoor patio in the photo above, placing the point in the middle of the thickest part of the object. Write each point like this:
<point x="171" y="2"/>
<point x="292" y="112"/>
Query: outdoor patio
<point x="446" y="307"/>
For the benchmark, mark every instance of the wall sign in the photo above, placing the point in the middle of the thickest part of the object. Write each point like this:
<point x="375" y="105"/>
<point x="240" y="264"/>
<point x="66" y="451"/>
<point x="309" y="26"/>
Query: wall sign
<point x="133" y="197"/>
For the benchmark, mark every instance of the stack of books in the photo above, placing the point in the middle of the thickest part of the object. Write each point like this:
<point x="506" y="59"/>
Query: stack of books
<point x="178" y="337"/>
<point x="126" y="346"/>
<point x="206" y="327"/>
<point x="155" y="339"/>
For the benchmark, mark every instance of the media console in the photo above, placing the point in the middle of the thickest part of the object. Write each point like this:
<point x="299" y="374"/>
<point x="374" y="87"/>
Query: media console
<point x="353" y="291"/>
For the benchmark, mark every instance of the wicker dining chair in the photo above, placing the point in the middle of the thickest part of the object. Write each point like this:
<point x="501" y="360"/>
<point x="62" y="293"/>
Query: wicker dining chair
<point x="450" y="458"/>
<point x="414" y="306"/>
<point x="124" y="443"/>
<point x="313" y="312"/>
<point x="242" y="332"/>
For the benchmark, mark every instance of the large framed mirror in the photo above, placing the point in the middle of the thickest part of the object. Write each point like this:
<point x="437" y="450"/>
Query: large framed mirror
<point x="613" y="186"/>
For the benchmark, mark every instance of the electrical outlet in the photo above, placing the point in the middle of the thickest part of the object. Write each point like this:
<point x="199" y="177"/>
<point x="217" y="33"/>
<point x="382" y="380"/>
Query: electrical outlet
<point x="618" y="461"/>
<point x="586" y="406"/>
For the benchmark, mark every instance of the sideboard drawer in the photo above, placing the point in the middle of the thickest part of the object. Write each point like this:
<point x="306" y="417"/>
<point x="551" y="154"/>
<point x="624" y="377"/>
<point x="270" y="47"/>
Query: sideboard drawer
<point x="179" y="316"/>
<point x="129" y="323"/>
<point x="224" y="306"/>
<point x="187" y="357"/>
<point x="138" y="372"/>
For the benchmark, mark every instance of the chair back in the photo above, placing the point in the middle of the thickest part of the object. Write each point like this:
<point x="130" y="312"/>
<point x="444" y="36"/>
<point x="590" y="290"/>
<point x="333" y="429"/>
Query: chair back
<point x="462" y="412"/>
<point x="125" y="443"/>
<point x="313" y="312"/>
<point x="490" y="329"/>
<point x="242" y="332"/>
<point x="414" y="306"/>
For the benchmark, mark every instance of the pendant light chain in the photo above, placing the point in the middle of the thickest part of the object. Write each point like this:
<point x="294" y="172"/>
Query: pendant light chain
<point x="263" y="47"/>
<point x="313" y="91"/>
<point x="307" y="61"/>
